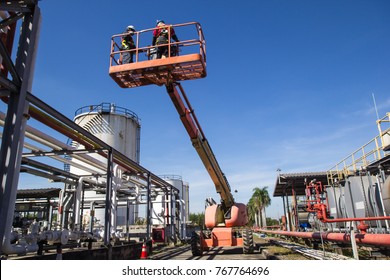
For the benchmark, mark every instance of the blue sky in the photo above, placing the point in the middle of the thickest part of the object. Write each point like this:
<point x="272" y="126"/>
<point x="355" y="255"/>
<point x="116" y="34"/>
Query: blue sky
<point x="289" y="83"/>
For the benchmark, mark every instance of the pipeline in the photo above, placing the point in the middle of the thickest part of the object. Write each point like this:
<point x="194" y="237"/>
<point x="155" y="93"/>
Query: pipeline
<point x="316" y="206"/>
<point x="325" y="219"/>
<point x="55" y="144"/>
<point x="378" y="240"/>
<point x="68" y="128"/>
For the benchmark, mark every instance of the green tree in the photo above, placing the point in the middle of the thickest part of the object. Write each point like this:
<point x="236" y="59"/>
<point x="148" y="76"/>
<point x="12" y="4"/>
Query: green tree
<point x="197" y="219"/>
<point x="260" y="200"/>
<point x="252" y="212"/>
<point x="272" y="222"/>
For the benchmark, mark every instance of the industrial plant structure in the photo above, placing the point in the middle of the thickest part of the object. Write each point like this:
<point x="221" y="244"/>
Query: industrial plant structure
<point x="105" y="188"/>
<point x="348" y="205"/>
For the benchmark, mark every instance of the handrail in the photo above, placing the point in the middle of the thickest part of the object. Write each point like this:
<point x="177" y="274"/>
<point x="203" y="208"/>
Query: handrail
<point x="370" y="152"/>
<point x="142" y="46"/>
<point x="384" y="132"/>
<point x="107" y="108"/>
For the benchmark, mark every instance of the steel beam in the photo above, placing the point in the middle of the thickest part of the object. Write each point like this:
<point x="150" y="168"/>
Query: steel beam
<point x="9" y="65"/>
<point x="11" y="19"/>
<point x="62" y="152"/>
<point x="26" y="6"/>
<point x="15" y="122"/>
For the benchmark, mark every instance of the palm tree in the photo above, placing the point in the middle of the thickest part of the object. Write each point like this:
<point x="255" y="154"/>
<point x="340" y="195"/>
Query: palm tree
<point x="261" y="200"/>
<point x="252" y="212"/>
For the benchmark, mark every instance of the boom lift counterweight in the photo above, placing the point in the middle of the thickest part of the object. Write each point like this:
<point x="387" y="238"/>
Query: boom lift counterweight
<point x="227" y="219"/>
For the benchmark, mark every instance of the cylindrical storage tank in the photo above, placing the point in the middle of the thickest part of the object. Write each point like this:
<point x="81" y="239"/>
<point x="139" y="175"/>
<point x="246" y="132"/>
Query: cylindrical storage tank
<point x="119" y="128"/>
<point x="302" y="214"/>
<point x="303" y="217"/>
<point x="160" y="210"/>
<point x="336" y="205"/>
<point x="116" y="126"/>
<point x="333" y="194"/>
<point x="358" y="202"/>
<point x="177" y="182"/>
<point x="183" y="188"/>
<point x="375" y="200"/>
<point x="386" y="195"/>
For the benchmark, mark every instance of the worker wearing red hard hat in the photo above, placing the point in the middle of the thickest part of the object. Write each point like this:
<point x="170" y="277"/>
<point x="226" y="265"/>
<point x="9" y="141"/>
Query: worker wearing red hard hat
<point x="160" y="37"/>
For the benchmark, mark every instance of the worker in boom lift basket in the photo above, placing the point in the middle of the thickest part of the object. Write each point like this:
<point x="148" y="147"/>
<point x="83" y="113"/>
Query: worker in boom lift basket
<point x="160" y="37"/>
<point x="127" y="44"/>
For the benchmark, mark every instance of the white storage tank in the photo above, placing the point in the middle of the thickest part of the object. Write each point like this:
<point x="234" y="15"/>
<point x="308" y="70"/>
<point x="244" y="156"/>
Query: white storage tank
<point x="183" y="188"/>
<point x="161" y="208"/>
<point x="162" y="202"/>
<point x="116" y="126"/>
<point x="162" y="205"/>
<point x="119" y="128"/>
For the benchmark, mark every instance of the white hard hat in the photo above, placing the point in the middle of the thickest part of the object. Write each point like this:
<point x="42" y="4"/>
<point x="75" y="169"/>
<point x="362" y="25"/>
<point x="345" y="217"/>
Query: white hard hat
<point x="131" y="27"/>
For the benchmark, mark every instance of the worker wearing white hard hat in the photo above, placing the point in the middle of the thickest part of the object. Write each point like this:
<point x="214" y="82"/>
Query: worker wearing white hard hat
<point x="127" y="44"/>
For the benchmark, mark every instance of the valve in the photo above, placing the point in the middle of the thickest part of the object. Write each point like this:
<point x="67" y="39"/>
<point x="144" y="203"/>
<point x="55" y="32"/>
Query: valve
<point x="363" y="227"/>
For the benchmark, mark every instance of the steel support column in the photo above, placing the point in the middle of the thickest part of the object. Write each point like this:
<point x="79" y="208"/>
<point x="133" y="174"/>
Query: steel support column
<point x="148" y="208"/>
<point x="107" y="217"/>
<point x="173" y="225"/>
<point x="15" y="122"/>
<point x="127" y="219"/>
<point x="284" y="209"/>
<point x="288" y="216"/>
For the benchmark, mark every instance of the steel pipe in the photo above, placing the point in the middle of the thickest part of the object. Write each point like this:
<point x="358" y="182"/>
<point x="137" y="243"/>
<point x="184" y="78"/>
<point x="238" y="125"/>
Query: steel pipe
<point x="51" y="142"/>
<point x="62" y="124"/>
<point x="378" y="240"/>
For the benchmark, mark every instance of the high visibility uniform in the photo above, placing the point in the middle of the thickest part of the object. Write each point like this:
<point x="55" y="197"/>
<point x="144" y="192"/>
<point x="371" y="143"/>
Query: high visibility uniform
<point x="127" y="43"/>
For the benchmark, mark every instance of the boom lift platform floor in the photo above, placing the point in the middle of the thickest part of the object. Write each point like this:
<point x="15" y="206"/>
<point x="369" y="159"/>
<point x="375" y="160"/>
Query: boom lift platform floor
<point x="159" y="72"/>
